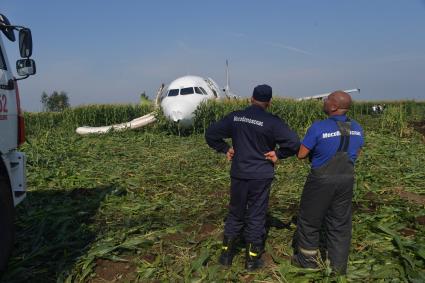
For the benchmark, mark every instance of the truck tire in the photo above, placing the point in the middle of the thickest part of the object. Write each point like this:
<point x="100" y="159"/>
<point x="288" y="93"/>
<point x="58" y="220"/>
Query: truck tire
<point x="7" y="218"/>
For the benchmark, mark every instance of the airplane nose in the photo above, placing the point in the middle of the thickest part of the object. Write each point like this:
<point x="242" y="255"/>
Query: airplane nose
<point x="176" y="115"/>
<point x="178" y="110"/>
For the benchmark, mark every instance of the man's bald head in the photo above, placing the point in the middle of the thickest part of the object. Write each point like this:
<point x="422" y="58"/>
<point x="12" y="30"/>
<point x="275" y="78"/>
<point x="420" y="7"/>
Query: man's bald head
<point x="337" y="103"/>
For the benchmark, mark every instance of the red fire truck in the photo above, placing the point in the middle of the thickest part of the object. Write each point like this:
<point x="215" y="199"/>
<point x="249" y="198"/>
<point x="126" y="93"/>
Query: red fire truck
<point x="12" y="132"/>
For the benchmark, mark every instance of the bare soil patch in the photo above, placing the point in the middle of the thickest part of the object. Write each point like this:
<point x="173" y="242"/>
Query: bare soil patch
<point x="409" y="196"/>
<point x="372" y="196"/>
<point x="149" y="258"/>
<point x="407" y="232"/>
<point x="268" y="260"/>
<point x="247" y="278"/>
<point x="191" y="228"/>
<point x="175" y="237"/>
<point x="419" y="126"/>
<point x="206" y="230"/>
<point x="421" y="220"/>
<point x="370" y="203"/>
<point x="111" y="271"/>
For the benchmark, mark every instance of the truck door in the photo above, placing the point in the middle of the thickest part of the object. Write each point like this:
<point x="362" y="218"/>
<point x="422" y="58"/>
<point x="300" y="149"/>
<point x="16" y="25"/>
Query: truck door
<point x="8" y="106"/>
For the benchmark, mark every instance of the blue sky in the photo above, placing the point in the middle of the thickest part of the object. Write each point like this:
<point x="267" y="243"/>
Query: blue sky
<point x="111" y="51"/>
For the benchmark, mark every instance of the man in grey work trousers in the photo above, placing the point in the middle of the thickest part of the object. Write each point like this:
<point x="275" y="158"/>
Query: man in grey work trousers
<point x="333" y="145"/>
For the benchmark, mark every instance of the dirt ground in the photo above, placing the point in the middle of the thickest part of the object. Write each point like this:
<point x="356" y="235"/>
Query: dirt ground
<point x="409" y="196"/>
<point x="110" y="271"/>
<point x="419" y="126"/>
<point x="421" y="220"/>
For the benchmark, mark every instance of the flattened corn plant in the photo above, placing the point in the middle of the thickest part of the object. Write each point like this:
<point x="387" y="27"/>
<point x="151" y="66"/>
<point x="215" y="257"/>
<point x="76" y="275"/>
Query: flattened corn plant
<point x="149" y="204"/>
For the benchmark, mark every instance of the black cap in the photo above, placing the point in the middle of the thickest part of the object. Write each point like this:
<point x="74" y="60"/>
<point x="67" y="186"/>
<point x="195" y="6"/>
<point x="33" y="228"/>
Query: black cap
<point x="262" y="93"/>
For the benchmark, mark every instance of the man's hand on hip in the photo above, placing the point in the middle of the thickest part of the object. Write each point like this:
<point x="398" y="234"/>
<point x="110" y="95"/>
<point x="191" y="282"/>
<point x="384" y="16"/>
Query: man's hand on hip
<point x="230" y="153"/>
<point x="271" y="155"/>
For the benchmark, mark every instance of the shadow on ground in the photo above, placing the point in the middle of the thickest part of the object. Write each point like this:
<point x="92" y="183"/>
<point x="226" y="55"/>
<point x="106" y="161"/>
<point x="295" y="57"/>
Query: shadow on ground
<point x="53" y="228"/>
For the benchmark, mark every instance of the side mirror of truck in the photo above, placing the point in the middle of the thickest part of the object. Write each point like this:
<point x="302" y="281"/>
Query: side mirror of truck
<point x="25" y="43"/>
<point x="25" y="67"/>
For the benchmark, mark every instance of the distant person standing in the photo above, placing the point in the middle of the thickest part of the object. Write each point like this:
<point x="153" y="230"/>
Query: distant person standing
<point x="333" y="146"/>
<point x="255" y="134"/>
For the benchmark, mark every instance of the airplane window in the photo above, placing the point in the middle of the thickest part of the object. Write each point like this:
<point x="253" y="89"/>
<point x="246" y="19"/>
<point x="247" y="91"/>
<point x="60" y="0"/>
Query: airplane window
<point x="173" y="92"/>
<point x="203" y="90"/>
<point x="187" y="90"/>
<point x="197" y="90"/>
<point x="215" y="93"/>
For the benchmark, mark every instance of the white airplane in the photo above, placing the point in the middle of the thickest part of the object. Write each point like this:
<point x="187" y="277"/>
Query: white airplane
<point x="184" y="95"/>
<point x="178" y="102"/>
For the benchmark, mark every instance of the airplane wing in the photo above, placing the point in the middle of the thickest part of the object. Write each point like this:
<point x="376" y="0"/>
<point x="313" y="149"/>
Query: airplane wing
<point x="321" y="96"/>
<point x="133" y="124"/>
<point x="159" y="96"/>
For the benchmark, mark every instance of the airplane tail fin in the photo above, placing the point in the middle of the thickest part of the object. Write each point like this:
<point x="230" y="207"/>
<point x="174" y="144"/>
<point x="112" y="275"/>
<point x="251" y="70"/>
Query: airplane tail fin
<point x="227" y="87"/>
<point x="227" y="91"/>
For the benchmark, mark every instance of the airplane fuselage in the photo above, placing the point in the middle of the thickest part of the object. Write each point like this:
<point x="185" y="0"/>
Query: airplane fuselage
<point x="184" y="95"/>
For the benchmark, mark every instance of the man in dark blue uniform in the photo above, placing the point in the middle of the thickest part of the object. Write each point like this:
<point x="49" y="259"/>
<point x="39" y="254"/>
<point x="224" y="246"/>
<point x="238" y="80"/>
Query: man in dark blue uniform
<point x="324" y="219"/>
<point x="255" y="134"/>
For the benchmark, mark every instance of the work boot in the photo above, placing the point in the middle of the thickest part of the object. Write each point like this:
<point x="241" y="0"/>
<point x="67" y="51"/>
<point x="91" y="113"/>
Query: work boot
<point x="304" y="258"/>
<point x="253" y="257"/>
<point x="227" y="251"/>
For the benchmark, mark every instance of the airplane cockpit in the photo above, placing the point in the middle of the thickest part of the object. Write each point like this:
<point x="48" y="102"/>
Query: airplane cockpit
<point x="187" y="90"/>
<point x="173" y="92"/>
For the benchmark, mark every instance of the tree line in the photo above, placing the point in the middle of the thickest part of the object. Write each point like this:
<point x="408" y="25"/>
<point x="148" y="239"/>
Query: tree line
<point x="55" y="102"/>
<point x="58" y="101"/>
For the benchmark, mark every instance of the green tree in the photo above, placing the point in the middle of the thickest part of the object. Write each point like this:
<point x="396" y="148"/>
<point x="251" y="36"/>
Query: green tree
<point x="44" y="99"/>
<point x="144" y="99"/>
<point x="55" y="102"/>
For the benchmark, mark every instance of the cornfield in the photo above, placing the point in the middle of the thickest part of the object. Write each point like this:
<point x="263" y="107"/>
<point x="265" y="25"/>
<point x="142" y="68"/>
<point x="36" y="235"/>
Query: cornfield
<point x="148" y="205"/>
<point x="92" y="115"/>
<point x="298" y="114"/>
